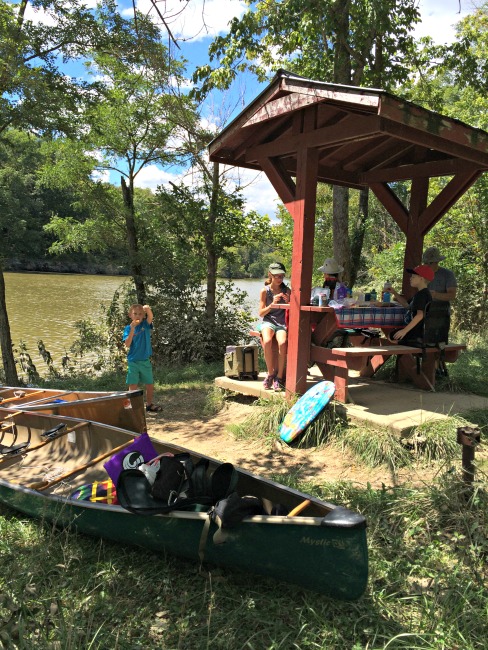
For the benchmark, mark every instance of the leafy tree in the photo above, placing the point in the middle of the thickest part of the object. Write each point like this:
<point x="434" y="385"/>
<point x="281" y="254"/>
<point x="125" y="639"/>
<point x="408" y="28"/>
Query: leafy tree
<point x="200" y="224"/>
<point x="35" y="94"/>
<point x="138" y="123"/>
<point x="343" y="41"/>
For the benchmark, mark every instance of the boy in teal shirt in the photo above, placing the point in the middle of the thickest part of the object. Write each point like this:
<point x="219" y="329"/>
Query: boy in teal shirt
<point x="137" y="339"/>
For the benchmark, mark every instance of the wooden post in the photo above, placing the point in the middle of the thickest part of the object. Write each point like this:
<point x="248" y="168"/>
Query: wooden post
<point x="303" y="212"/>
<point x="415" y="235"/>
<point x="469" y="438"/>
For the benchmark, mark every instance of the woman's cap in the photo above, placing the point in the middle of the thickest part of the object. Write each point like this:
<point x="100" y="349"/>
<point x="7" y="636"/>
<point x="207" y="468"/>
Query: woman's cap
<point x="424" y="271"/>
<point x="330" y="266"/>
<point x="276" y="268"/>
<point x="432" y="255"/>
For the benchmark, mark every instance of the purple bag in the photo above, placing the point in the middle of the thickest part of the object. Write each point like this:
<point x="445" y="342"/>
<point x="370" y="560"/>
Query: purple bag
<point x="139" y="452"/>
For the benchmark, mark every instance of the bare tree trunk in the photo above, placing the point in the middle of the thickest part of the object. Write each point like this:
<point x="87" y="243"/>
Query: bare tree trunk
<point x="340" y="229"/>
<point x="340" y="195"/>
<point x="9" y="366"/>
<point x="357" y="237"/>
<point x="212" y="259"/>
<point x="132" y="241"/>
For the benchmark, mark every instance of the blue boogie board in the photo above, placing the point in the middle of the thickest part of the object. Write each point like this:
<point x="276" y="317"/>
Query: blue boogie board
<point x="304" y="412"/>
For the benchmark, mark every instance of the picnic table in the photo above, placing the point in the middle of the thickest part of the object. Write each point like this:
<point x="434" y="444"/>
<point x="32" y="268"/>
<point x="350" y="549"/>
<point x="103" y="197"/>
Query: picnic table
<point x="369" y="351"/>
<point x="369" y="348"/>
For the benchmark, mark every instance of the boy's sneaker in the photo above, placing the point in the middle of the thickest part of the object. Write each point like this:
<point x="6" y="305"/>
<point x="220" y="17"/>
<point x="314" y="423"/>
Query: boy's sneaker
<point x="277" y="384"/>
<point x="268" y="382"/>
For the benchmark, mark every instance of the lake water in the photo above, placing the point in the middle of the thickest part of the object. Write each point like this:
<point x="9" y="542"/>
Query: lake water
<point x="46" y="306"/>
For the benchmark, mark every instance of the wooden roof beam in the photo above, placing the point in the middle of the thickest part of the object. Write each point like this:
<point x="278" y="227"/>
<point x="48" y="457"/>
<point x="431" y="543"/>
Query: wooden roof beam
<point x="279" y="178"/>
<point x="432" y="141"/>
<point x="392" y="203"/>
<point x="419" y="170"/>
<point x="448" y="196"/>
<point x="352" y="128"/>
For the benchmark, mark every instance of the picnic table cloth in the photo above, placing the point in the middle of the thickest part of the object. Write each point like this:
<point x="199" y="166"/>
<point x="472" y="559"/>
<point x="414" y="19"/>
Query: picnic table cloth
<point x="359" y="317"/>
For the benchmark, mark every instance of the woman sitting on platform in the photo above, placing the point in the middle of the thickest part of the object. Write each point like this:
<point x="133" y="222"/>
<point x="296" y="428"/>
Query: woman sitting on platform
<point x="273" y="326"/>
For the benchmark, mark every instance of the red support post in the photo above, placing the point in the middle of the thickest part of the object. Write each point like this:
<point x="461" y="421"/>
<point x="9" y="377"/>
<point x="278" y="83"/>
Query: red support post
<point x="303" y="213"/>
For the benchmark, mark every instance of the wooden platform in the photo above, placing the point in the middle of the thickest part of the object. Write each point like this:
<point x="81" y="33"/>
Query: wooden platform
<point x="398" y="407"/>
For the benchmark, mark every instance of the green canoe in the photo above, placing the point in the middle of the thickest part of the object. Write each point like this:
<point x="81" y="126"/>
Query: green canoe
<point x="323" y="548"/>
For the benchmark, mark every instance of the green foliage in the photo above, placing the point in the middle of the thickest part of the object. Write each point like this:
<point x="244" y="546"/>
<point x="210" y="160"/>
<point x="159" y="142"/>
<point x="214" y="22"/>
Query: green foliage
<point x="265" y="420"/>
<point x="183" y="333"/>
<point x="365" y="42"/>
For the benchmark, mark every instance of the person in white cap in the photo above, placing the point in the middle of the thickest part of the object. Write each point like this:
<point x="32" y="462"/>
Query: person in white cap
<point x="331" y="269"/>
<point x="444" y="286"/>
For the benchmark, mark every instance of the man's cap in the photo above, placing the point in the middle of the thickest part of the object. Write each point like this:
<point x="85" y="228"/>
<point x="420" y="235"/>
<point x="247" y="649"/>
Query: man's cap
<point x="424" y="271"/>
<point x="432" y="255"/>
<point x="276" y="268"/>
<point x="330" y="267"/>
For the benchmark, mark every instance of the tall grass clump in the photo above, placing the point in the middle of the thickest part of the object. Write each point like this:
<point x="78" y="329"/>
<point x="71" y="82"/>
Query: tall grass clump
<point x="264" y="421"/>
<point x="436" y="439"/>
<point x="268" y="415"/>
<point x="373" y="447"/>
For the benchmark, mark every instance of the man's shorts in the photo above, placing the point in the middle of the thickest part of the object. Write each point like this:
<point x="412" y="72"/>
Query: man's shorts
<point x="139" y="372"/>
<point x="272" y="326"/>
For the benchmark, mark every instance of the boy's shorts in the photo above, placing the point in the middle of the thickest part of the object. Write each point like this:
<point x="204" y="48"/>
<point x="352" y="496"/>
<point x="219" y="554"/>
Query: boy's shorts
<point x="272" y="326"/>
<point x="139" y="372"/>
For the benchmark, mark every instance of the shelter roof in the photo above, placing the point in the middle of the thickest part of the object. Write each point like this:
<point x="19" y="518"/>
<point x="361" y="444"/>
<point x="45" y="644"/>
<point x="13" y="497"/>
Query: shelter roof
<point x="364" y="136"/>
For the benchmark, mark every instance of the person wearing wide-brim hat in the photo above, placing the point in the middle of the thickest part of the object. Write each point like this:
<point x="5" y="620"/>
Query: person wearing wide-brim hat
<point x="273" y="327"/>
<point x="331" y="270"/>
<point x="444" y="286"/>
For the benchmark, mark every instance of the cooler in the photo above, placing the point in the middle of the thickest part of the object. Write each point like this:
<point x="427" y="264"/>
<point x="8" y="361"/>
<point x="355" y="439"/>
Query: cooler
<point x="241" y="361"/>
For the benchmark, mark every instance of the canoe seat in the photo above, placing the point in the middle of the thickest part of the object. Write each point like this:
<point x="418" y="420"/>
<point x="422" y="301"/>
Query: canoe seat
<point x="134" y="494"/>
<point x="12" y="450"/>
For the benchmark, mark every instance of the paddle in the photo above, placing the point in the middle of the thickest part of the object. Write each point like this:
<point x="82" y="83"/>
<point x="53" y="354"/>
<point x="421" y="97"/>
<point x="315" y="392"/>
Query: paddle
<point x="43" y="485"/>
<point x="298" y="509"/>
<point x="14" y="399"/>
<point x="53" y="434"/>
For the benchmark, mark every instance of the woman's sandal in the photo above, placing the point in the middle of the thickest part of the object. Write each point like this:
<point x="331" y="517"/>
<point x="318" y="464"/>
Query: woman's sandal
<point x="153" y="408"/>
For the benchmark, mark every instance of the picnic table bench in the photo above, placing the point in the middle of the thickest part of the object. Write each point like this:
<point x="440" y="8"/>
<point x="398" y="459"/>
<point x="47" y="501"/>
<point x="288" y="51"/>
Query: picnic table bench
<point x="415" y="364"/>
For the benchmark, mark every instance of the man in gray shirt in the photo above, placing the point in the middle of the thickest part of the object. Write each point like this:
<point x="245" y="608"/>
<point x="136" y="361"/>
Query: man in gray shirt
<point x="444" y="286"/>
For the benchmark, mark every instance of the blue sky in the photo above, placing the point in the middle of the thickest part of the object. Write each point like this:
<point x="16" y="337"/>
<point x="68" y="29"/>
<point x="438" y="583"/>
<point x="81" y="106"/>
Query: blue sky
<point x="201" y="21"/>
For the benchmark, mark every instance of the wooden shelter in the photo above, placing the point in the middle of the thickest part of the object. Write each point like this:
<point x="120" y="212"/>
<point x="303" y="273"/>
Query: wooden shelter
<point x="301" y="132"/>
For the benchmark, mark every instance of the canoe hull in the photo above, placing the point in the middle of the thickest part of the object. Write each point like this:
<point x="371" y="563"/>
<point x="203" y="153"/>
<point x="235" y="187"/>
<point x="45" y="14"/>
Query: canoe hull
<point x="123" y="409"/>
<point x="325" y="551"/>
<point x="331" y="561"/>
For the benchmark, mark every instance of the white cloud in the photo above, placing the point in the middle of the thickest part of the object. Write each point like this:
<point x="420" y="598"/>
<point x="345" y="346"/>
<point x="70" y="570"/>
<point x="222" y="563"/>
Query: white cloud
<point x="439" y="18"/>
<point x="197" y="19"/>
<point x="152" y="176"/>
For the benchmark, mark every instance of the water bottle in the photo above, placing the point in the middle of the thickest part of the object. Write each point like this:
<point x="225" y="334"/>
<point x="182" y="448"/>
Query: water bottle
<point x="373" y="295"/>
<point x="386" y="293"/>
<point x="341" y="292"/>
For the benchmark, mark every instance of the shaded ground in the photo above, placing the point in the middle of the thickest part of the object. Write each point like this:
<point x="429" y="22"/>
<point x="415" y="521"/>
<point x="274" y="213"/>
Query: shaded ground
<point x="178" y="424"/>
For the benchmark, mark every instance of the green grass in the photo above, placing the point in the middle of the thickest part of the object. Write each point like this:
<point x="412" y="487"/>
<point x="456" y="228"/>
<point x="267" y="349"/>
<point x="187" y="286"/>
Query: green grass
<point x="428" y="553"/>
<point x="427" y="586"/>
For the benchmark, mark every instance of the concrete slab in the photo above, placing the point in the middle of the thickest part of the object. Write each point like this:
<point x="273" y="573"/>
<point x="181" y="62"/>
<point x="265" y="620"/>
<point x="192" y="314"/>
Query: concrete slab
<point x="398" y="407"/>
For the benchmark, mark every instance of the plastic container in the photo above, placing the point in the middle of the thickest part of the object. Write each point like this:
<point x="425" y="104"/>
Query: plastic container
<point x="386" y="296"/>
<point x="341" y="292"/>
<point x="374" y="295"/>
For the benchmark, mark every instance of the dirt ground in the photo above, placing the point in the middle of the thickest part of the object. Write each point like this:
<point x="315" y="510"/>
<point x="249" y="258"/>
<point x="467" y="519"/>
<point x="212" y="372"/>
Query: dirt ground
<point x="209" y="435"/>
